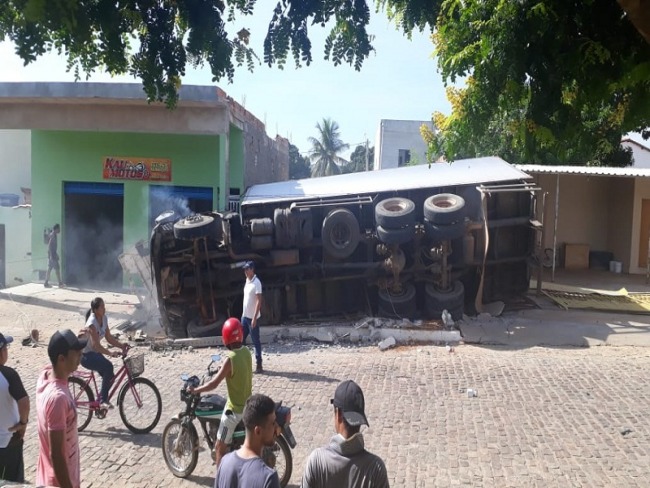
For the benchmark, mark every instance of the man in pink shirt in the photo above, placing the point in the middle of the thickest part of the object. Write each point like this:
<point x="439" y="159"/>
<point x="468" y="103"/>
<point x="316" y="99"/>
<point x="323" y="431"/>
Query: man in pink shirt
<point x="58" y="459"/>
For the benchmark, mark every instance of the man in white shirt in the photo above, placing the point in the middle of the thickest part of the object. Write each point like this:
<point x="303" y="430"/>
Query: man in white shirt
<point x="251" y="312"/>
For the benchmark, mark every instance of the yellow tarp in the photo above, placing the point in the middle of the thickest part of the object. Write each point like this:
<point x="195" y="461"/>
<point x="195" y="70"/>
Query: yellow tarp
<point x="619" y="301"/>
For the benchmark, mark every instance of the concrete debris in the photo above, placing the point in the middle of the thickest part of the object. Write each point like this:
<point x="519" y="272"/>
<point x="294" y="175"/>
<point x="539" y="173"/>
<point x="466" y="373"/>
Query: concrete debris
<point x="387" y="343"/>
<point x="140" y="336"/>
<point x="471" y="393"/>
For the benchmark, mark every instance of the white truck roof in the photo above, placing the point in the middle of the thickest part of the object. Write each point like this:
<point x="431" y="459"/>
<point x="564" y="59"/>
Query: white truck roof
<point x="460" y="172"/>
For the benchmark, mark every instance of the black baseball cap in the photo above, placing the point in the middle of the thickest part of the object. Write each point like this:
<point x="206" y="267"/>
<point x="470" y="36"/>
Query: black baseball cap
<point x="4" y="340"/>
<point x="249" y="265"/>
<point x="62" y="342"/>
<point x="349" y="399"/>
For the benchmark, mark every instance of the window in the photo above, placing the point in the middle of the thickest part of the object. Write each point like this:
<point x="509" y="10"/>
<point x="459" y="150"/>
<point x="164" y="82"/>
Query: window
<point x="404" y="157"/>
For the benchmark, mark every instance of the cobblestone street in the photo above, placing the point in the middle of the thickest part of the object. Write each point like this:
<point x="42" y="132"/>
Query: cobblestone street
<point x="542" y="416"/>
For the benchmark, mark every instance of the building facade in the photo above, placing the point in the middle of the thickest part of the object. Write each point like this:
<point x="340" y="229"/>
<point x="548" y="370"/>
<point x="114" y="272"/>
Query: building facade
<point x="399" y="143"/>
<point x="104" y="164"/>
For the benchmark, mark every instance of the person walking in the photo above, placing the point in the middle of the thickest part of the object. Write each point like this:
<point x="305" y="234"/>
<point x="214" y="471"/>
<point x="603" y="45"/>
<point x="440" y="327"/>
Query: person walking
<point x="94" y="353"/>
<point x="14" y="415"/>
<point x="58" y="457"/>
<point x="345" y="463"/>
<point x="245" y="467"/>
<point x="53" y="257"/>
<point x="251" y="312"/>
<point x="237" y="370"/>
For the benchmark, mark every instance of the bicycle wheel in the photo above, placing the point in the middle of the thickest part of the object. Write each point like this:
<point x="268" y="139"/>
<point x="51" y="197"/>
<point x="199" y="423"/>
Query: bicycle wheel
<point x="279" y="458"/>
<point x="138" y="419"/>
<point x="180" y="445"/>
<point x="83" y="397"/>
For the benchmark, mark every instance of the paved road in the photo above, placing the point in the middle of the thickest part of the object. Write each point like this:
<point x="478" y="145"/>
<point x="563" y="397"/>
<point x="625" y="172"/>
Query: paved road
<point x="542" y="417"/>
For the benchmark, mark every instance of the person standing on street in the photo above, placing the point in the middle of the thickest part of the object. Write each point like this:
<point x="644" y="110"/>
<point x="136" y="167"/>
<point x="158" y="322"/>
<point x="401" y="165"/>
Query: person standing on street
<point x="345" y="463"/>
<point x="14" y="415"/>
<point x="252" y="308"/>
<point x="53" y="257"/>
<point x="58" y="457"/>
<point x="244" y="467"/>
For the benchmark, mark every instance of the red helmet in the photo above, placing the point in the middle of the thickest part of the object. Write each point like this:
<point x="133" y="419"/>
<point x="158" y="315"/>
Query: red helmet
<point x="232" y="331"/>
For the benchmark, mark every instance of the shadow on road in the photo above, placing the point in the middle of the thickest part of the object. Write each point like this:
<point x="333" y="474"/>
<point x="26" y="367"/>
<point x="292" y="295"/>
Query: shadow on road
<point x="150" y="440"/>
<point x="292" y="375"/>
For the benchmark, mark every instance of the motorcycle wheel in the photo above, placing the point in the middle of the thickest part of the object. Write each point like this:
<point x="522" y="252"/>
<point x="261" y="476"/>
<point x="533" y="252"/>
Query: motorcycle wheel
<point x="279" y="458"/>
<point x="180" y="445"/>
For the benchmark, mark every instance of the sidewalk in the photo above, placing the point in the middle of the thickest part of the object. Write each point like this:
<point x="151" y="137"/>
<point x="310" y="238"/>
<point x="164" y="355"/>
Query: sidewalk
<point x="547" y="325"/>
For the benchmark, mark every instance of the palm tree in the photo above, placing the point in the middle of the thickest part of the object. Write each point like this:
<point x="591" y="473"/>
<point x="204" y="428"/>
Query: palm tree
<point x="324" y="150"/>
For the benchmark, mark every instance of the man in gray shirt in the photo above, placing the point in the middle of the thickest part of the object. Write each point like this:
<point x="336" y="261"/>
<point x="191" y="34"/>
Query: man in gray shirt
<point x="244" y="467"/>
<point x="345" y="463"/>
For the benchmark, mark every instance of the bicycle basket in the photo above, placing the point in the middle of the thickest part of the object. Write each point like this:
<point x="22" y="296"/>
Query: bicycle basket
<point x="135" y="364"/>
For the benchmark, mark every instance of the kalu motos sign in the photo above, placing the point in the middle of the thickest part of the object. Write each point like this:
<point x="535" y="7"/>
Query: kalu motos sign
<point x="151" y="169"/>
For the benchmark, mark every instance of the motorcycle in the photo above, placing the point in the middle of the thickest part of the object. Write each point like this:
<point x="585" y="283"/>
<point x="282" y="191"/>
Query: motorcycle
<point x="180" y="439"/>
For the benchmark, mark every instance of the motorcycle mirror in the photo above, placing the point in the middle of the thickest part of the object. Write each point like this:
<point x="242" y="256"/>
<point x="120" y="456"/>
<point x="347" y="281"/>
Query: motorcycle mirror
<point x="215" y="358"/>
<point x="185" y="376"/>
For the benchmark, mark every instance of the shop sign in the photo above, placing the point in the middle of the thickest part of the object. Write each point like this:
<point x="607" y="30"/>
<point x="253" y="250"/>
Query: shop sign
<point x="149" y="169"/>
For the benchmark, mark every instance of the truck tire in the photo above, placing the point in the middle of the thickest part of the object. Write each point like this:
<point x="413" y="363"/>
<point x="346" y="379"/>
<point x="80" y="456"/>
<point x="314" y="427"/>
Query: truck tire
<point x="436" y="301"/>
<point x="445" y="208"/>
<point x="396" y="236"/>
<point x="282" y="228"/>
<point x="394" y="213"/>
<point x="340" y="233"/>
<point x="261" y="227"/>
<point x="195" y="226"/>
<point x="259" y="243"/>
<point x="398" y="306"/>
<point x="304" y="227"/>
<point x="439" y="233"/>
<point x="196" y="329"/>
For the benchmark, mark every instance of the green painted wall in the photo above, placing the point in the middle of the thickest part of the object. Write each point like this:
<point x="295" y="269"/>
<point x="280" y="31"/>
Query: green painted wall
<point x="63" y="156"/>
<point x="237" y="158"/>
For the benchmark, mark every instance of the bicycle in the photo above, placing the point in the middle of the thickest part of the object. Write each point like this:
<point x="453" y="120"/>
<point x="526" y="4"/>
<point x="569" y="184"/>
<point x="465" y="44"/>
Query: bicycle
<point x="131" y="406"/>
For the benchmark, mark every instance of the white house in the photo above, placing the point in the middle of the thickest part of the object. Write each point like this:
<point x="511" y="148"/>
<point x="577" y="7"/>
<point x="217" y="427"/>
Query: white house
<point x="640" y="152"/>
<point x="398" y="143"/>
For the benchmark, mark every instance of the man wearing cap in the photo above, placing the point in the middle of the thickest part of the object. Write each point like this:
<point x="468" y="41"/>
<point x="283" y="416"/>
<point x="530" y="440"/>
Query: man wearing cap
<point x="345" y="462"/>
<point x="14" y="414"/>
<point x="251" y="312"/>
<point x="58" y="458"/>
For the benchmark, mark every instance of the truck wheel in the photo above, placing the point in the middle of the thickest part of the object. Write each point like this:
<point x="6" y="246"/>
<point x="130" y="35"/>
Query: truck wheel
<point x="396" y="236"/>
<point x="394" y="213"/>
<point x="261" y="227"/>
<point x="439" y="233"/>
<point x="259" y="243"/>
<point x="445" y="208"/>
<point x="195" y="226"/>
<point x="453" y="301"/>
<point x="398" y="306"/>
<point x="340" y="233"/>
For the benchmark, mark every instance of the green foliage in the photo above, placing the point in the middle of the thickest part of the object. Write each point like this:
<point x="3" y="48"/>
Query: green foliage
<point x="325" y="149"/>
<point x="357" y="161"/>
<point x="298" y="165"/>
<point x="547" y="81"/>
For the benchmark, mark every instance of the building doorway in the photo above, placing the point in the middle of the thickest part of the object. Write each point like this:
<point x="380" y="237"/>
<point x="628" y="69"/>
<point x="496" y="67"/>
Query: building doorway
<point x="93" y="234"/>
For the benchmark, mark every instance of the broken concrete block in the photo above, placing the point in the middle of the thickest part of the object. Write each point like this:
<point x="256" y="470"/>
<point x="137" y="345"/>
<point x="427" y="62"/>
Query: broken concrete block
<point x="387" y="343"/>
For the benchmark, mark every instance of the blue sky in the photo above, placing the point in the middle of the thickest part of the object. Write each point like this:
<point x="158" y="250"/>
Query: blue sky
<point x="398" y="81"/>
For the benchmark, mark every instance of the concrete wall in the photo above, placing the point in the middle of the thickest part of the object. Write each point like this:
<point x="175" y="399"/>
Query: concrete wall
<point x="393" y="135"/>
<point x="15" y="161"/>
<point x="641" y="192"/>
<point x="620" y="198"/>
<point x="59" y="157"/>
<point x="18" y="240"/>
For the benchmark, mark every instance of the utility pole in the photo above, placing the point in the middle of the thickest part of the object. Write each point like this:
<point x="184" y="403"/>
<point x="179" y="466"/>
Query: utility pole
<point x="366" y="154"/>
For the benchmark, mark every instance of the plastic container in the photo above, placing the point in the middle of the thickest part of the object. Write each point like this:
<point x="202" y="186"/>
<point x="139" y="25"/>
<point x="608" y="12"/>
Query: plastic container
<point x="616" y="266"/>
<point x="9" y="199"/>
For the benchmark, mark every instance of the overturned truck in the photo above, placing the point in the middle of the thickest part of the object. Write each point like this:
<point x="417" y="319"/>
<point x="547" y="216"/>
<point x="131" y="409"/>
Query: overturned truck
<point x="403" y="243"/>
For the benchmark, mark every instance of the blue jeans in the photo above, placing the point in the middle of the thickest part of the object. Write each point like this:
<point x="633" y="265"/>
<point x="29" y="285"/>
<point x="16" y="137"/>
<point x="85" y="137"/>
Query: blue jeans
<point x="98" y="362"/>
<point x="255" y="335"/>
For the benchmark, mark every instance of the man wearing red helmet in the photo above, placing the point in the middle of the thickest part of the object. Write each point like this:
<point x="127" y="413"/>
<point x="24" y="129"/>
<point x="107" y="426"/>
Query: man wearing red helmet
<point x="237" y="370"/>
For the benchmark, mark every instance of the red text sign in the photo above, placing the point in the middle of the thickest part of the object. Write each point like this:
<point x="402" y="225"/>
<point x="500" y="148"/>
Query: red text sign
<point x="137" y="169"/>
